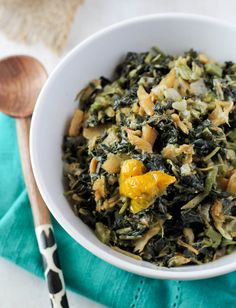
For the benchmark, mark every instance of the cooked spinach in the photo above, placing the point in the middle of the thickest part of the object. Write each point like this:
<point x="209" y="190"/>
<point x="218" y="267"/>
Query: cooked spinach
<point x="149" y="158"/>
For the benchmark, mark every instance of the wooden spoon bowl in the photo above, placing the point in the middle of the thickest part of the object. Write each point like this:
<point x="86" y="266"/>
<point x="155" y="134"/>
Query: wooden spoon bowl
<point x="21" y="80"/>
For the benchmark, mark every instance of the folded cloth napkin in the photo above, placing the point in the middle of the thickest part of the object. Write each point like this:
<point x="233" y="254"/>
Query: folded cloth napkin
<point x="85" y="273"/>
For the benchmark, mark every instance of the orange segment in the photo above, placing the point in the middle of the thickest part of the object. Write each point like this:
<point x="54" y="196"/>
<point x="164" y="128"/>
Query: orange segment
<point x="141" y="188"/>
<point x="137" y="205"/>
<point x="144" y="186"/>
<point x="162" y="179"/>
<point x="131" y="167"/>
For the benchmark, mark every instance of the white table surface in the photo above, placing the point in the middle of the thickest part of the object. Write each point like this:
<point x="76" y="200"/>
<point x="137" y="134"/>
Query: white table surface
<point x="19" y="288"/>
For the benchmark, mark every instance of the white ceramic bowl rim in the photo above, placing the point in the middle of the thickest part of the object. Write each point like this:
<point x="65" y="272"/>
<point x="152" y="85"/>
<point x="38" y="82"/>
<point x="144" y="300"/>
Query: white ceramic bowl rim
<point x="116" y="261"/>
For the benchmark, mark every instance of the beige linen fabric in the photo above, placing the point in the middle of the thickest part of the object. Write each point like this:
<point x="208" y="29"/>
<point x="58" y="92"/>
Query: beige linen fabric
<point x="33" y="21"/>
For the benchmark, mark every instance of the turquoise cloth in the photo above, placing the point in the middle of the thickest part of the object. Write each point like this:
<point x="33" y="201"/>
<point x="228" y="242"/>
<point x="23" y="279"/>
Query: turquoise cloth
<point x="85" y="273"/>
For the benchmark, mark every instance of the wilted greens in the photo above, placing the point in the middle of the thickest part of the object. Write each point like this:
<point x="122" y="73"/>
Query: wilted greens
<point x="149" y="158"/>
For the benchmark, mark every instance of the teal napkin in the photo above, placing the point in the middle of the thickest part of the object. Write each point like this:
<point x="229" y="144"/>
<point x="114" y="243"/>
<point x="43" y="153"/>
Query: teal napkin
<point x="85" y="273"/>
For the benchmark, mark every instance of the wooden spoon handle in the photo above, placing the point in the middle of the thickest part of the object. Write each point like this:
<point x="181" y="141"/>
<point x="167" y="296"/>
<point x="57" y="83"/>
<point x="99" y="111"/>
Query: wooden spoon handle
<point x="40" y="211"/>
<point x="43" y="227"/>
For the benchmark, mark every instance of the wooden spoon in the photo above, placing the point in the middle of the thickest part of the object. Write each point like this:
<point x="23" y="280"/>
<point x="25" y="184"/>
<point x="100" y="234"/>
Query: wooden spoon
<point x="21" y="79"/>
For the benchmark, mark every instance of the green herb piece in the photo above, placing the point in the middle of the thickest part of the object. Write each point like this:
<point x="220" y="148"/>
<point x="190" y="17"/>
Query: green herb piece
<point x="232" y="135"/>
<point x="124" y="206"/>
<point x="210" y="155"/>
<point x="218" y="88"/>
<point x="148" y="58"/>
<point x="194" y="202"/>
<point x="102" y="232"/>
<point x="124" y="230"/>
<point x="178" y="260"/>
<point x="215" y="237"/>
<point x="209" y="97"/>
<point x="210" y="180"/>
<point x="129" y="237"/>
<point x="213" y="69"/>
<point x="189" y="74"/>
<point x="96" y="105"/>
<point x="221" y="166"/>
<point x="184" y="71"/>
<point x="196" y="71"/>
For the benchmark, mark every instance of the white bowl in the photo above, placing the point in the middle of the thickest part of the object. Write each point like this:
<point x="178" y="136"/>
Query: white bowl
<point x="96" y="56"/>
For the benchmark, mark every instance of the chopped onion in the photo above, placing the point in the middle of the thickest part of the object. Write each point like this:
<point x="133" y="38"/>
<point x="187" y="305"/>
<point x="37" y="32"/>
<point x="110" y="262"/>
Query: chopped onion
<point x="172" y="93"/>
<point x="158" y="90"/>
<point x="180" y="106"/>
<point x="198" y="87"/>
<point x="185" y="170"/>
